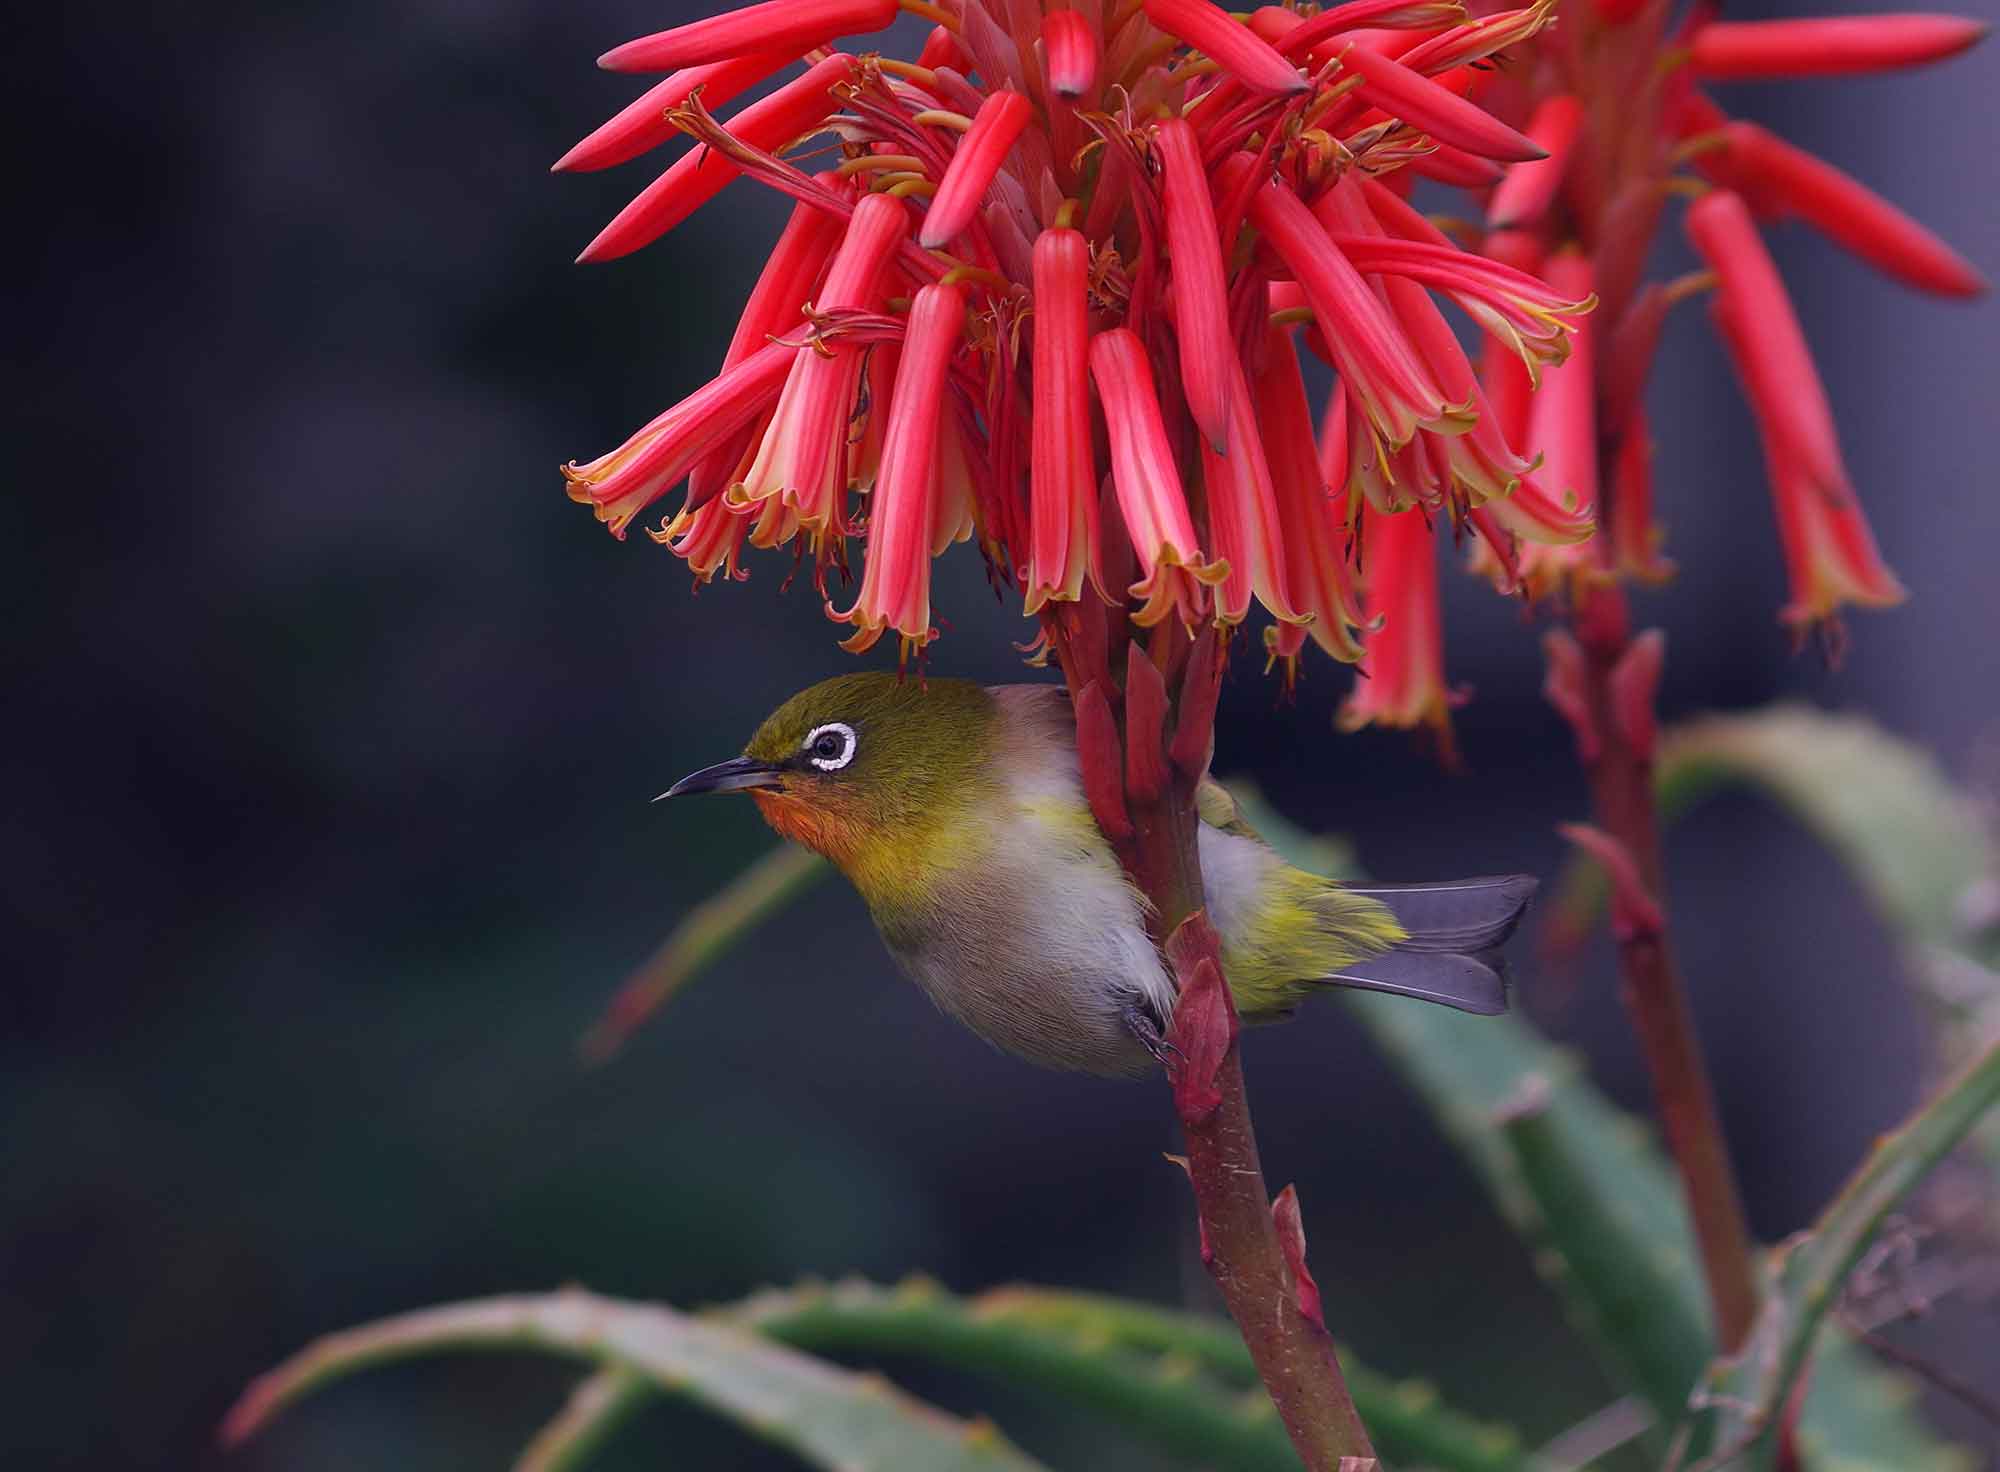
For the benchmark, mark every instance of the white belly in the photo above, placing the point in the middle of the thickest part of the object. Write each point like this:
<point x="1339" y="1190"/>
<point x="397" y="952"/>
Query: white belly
<point x="1045" y="960"/>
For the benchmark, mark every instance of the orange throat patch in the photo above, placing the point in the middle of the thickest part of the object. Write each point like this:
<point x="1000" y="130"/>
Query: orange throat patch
<point x="826" y="833"/>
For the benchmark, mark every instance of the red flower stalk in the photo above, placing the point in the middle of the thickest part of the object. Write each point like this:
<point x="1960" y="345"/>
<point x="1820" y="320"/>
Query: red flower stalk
<point x="1826" y="46"/>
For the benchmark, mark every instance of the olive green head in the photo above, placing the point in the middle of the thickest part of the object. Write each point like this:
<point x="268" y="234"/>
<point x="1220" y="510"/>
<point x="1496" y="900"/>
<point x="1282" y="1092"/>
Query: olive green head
<point x="863" y="765"/>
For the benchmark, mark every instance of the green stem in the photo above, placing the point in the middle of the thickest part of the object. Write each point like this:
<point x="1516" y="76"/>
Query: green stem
<point x="1808" y="1273"/>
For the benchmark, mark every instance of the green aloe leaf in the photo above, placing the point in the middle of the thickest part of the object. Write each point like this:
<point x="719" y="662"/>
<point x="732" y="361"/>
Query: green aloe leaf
<point x="1805" y="1276"/>
<point x="1181" y="1380"/>
<point x="828" y="1416"/>
<point x="708" y="933"/>
<point x="1590" y="1192"/>
<point x="1913" y="842"/>
<point x="600" y="1404"/>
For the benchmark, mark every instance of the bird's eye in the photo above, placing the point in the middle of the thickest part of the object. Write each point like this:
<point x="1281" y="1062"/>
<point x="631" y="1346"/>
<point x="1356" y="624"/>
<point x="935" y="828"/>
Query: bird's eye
<point x="831" y="747"/>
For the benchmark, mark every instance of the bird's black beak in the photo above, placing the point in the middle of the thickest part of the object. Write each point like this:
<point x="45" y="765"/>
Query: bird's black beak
<point x="738" y="774"/>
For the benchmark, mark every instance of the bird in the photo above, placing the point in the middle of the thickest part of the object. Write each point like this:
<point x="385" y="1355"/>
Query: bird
<point x="957" y="811"/>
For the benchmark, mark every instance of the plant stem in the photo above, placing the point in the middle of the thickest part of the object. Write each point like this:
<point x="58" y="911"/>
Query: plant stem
<point x="1615" y="741"/>
<point x="1141" y="769"/>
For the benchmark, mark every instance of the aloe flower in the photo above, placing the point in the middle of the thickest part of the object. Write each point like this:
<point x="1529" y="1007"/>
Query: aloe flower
<point x="1621" y="105"/>
<point x="1043" y="292"/>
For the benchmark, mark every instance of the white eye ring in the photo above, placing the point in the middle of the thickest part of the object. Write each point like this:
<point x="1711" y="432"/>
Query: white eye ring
<point x="831" y="763"/>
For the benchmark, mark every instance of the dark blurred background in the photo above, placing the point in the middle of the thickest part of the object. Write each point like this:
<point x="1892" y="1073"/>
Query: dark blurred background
<point x="334" y="725"/>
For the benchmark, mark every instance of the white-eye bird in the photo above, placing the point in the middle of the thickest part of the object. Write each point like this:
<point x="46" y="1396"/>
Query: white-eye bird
<point x="957" y="810"/>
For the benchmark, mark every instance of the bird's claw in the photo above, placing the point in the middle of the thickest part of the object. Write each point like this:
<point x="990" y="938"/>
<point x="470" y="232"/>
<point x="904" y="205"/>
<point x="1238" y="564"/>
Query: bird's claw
<point x="1144" y="1026"/>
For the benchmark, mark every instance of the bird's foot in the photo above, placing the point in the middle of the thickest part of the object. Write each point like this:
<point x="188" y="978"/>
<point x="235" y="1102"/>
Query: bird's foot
<point x="1144" y="1026"/>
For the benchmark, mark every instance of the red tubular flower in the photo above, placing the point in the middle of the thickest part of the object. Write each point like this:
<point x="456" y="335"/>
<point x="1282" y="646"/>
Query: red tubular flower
<point x="1375" y="360"/>
<point x="1070" y="44"/>
<point x="1780" y="179"/>
<point x="803" y="457"/>
<point x="896" y="576"/>
<point x="1317" y="572"/>
<point x="708" y="540"/>
<point x="1243" y="517"/>
<point x="1828" y="46"/>
<point x="777" y="303"/>
<point x="1303" y="36"/>
<point x="973" y="164"/>
<point x="620" y="485"/>
<point x="1829" y="551"/>
<point x="1529" y="315"/>
<point x="941" y="49"/>
<point x="1422" y="103"/>
<point x="1403" y="684"/>
<point x="791" y="26"/>
<point x="1530" y="187"/>
<point x="644" y="125"/>
<point x="1172" y="571"/>
<point x="1562" y="418"/>
<point x="1237" y="49"/>
<point x="1062" y="481"/>
<point x="797" y="109"/>
<point x="1201" y="293"/>
<point x="1562" y="426"/>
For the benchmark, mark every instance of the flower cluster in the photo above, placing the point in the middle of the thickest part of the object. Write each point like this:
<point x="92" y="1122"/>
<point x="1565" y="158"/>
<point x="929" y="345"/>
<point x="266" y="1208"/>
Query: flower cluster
<point x="1046" y="287"/>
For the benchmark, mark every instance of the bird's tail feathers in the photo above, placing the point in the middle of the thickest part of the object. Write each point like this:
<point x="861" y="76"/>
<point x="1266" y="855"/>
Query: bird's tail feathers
<point x="1451" y="953"/>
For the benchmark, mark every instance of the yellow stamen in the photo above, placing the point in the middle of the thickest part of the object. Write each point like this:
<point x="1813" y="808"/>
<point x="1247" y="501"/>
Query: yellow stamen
<point x="938" y="117"/>
<point x="909" y="71"/>
<point x="991" y="279"/>
<point x="932" y="13"/>
<point x="883" y="162"/>
<point x="1693" y="283"/>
